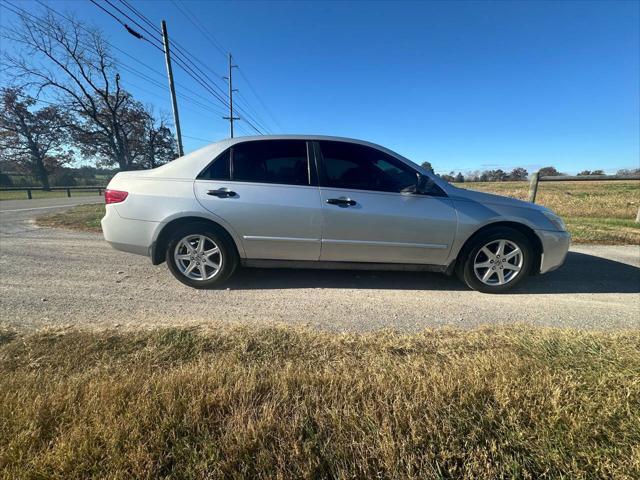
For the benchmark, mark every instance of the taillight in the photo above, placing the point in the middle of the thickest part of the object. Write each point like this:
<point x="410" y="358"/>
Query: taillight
<point x="114" y="196"/>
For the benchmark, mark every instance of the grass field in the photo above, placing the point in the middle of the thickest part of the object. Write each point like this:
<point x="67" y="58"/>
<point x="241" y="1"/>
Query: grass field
<point x="595" y="212"/>
<point x="22" y="195"/>
<point x="83" y="217"/>
<point x="287" y="403"/>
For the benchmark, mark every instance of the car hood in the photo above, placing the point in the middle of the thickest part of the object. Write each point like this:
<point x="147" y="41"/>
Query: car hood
<point x="489" y="198"/>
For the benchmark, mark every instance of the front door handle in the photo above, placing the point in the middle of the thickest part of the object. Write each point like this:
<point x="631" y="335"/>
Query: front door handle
<point x="222" y="193"/>
<point x="341" y="202"/>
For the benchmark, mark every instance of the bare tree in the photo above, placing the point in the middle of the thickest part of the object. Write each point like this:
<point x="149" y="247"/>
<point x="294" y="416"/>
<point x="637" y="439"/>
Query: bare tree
<point x="35" y="141"/>
<point x="124" y="150"/>
<point x="74" y="61"/>
<point x="159" y="144"/>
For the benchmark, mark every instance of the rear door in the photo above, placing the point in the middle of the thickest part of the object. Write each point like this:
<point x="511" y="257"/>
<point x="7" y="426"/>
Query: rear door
<point x="267" y="191"/>
<point x="368" y="217"/>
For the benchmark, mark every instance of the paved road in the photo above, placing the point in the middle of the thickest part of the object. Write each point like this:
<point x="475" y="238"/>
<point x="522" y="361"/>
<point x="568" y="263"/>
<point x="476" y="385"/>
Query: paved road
<point x="55" y="277"/>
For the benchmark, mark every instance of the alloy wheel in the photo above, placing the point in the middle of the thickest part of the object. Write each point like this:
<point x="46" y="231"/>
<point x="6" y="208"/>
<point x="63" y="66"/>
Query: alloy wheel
<point x="498" y="262"/>
<point x="198" y="257"/>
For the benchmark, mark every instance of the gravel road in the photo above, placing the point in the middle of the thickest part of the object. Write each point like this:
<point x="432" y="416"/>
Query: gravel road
<point x="61" y="278"/>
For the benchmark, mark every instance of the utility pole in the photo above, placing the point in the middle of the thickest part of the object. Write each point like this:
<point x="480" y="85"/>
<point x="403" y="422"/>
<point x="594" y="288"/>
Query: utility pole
<point x="172" y="88"/>
<point x="229" y="79"/>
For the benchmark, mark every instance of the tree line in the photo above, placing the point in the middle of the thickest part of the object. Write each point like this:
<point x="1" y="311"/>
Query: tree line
<point x="515" y="175"/>
<point x="88" y="113"/>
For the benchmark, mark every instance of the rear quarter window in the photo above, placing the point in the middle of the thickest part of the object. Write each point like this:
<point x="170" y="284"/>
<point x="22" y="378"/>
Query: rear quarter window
<point x="219" y="169"/>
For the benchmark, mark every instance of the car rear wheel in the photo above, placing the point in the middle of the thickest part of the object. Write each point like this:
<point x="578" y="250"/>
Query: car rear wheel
<point x="497" y="261"/>
<point x="200" y="256"/>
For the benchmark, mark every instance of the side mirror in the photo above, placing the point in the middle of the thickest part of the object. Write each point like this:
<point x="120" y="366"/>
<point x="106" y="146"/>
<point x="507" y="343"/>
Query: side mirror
<point x="426" y="186"/>
<point x="422" y="185"/>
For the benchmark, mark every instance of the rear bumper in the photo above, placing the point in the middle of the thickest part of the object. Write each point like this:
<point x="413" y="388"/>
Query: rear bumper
<point x="127" y="235"/>
<point x="555" y="246"/>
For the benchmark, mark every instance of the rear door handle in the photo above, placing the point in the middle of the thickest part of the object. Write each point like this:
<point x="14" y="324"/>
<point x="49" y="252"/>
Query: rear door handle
<point x="222" y="193"/>
<point x="341" y="202"/>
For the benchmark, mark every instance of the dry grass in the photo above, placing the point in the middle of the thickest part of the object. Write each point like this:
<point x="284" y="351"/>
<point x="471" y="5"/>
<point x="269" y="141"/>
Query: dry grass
<point x="595" y="212"/>
<point x="83" y="217"/>
<point x="283" y="403"/>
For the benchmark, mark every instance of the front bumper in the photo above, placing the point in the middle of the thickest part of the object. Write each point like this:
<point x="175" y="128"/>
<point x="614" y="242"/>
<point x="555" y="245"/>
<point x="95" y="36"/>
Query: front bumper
<point x="555" y="246"/>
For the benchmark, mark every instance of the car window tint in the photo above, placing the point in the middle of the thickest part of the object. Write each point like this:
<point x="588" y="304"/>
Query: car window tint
<point x="219" y="168"/>
<point x="348" y="165"/>
<point x="271" y="161"/>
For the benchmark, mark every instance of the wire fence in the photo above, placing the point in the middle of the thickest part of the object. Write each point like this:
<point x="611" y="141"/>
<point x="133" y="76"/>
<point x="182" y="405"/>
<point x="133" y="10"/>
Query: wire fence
<point x="536" y="178"/>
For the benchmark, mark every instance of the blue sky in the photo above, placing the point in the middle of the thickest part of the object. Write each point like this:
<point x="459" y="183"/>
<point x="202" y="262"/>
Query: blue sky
<point x="464" y="85"/>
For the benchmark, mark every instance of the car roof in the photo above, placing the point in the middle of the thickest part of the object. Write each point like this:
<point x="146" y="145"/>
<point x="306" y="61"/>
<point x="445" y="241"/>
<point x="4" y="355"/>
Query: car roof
<point x="232" y="141"/>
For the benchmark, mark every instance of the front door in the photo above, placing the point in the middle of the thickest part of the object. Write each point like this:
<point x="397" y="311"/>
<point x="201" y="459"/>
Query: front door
<point x="368" y="217"/>
<point x="264" y="190"/>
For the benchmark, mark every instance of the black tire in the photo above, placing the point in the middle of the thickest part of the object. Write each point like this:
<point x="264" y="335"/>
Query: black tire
<point x="465" y="265"/>
<point x="228" y="254"/>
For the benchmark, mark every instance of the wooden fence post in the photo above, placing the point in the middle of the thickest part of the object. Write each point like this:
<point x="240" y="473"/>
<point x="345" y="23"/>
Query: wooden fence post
<point x="533" y="187"/>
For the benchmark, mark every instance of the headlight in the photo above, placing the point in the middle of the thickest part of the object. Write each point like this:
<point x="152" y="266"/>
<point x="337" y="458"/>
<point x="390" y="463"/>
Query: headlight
<point x="555" y="219"/>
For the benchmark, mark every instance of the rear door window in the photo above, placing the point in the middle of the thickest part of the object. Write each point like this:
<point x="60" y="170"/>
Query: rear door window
<point x="271" y="161"/>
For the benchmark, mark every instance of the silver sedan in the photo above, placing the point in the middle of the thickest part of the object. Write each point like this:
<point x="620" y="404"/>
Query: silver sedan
<point x="324" y="202"/>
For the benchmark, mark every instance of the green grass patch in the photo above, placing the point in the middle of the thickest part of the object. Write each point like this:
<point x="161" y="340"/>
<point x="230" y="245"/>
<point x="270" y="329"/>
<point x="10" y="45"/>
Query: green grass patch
<point x="249" y="402"/>
<point x="612" y="231"/>
<point x="22" y="194"/>
<point x="83" y="217"/>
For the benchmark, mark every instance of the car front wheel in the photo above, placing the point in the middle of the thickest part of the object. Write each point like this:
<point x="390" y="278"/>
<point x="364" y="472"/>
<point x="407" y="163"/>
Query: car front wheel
<point x="497" y="261"/>
<point x="201" y="257"/>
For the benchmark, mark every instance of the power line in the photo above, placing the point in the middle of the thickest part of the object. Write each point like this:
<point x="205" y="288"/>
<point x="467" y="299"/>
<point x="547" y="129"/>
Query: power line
<point x="39" y="100"/>
<point x="130" y="30"/>
<point x="202" y="82"/>
<point x="190" y="71"/>
<point x="184" y="57"/>
<point x="177" y="46"/>
<point x="209" y="108"/>
<point x="255" y="93"/>
<point x="198" y="138"/>
<point x="194" y="21"/>
<point x="180" y="61"/>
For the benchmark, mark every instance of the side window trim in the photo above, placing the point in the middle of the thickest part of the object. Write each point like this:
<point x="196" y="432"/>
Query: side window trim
<point x="319" y="161"/>
<point x="312" y="158"/>
<point x="308" y="163"/>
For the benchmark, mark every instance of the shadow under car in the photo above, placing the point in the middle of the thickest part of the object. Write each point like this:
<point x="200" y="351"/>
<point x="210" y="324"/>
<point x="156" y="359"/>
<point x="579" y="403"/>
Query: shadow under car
<point x="581" y="273"/>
